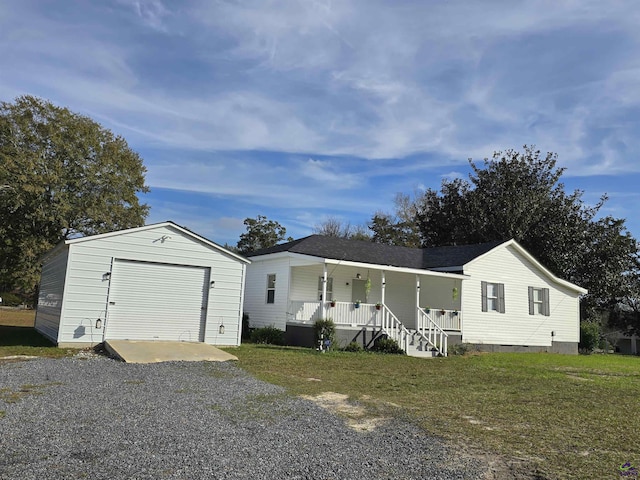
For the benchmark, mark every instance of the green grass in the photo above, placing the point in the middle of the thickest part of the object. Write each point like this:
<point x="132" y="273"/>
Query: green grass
<point x="564" y="416"/>
<point x="18" y="337"/>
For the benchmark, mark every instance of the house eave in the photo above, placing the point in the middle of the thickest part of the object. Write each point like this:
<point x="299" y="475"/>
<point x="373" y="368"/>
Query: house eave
<point x="391" y="268"/>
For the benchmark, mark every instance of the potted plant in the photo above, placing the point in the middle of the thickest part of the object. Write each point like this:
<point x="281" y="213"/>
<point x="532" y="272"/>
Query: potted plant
<point x="332" y="303"/>
<point x="356" y="304"/>
<point x="427" y="309"/>
<point x="443" y="311"/>
<point x="378" y="306"/>
<point x="455" y="312"/>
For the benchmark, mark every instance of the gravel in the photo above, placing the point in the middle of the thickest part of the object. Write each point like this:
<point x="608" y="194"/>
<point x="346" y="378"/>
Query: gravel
<point x="94" y="417"/>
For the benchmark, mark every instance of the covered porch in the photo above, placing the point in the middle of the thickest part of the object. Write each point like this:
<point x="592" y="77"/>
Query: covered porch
<point x="405" y="304"/>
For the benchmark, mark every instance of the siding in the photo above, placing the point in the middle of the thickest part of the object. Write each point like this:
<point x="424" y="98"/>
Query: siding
<point x="516" y="326"/>
<point x="261" y="313"/>
<point x="86" y="290"/>
<point x="51" y="295"/>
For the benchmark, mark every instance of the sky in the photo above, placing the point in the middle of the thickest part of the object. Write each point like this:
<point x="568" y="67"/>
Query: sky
<point x="304" y="110"/>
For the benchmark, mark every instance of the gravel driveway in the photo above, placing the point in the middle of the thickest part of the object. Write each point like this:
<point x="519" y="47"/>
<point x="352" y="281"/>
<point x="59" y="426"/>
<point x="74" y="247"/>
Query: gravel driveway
<point x="103" y="419"/>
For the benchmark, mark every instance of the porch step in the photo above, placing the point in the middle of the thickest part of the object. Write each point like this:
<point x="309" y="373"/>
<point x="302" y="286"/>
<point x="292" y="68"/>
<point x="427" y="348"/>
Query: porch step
<point x="419" y="347"/>
<point x="415" y="352"/>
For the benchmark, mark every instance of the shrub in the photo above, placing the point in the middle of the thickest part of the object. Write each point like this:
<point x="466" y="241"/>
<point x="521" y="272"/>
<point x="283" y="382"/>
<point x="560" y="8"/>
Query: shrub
<point x="353" y="347"/>
<point x="460" y="348"/>
<point x="10" y="300"/>
<point x="387" y="345"/>
<point x="589" y="336"/>
<point x="246" y="331"/>
<point x="325" y="329"/>
<point x="267" y="335"/>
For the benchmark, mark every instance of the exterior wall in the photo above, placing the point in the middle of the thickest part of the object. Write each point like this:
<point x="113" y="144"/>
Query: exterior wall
<point x="261" y="313"/>
<point x="51" y="295"/>
<point x="86" y="291"/>
<point x="437" y="293"/>
<point x="516" y="326"/>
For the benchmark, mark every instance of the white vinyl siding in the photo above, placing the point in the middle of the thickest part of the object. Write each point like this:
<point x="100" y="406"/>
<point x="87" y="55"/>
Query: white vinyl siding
<point x="260" y="313"/>
<point x="516" y="326"/>
<point x="87" y="288"/>
<point x="51" y="295"/>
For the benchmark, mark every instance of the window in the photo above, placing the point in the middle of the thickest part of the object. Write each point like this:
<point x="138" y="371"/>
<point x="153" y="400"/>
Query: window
<point x="329" y="289"/>
<point x="539" y="301"/>
<point x="493" y="297"/>
<point x="271" y="288"/>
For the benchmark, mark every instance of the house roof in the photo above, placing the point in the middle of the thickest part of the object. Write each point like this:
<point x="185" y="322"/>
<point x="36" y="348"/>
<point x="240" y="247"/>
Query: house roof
<point x="379" y="254"/>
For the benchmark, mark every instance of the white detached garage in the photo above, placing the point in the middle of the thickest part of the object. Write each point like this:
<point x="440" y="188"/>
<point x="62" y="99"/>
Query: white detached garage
<point x="157" y="282"/>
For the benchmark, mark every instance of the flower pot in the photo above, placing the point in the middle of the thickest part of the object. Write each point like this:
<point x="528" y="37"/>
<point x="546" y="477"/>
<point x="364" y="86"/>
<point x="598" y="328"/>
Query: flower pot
<point x="356" y="305"/>
<point x="378" y="307"/>
<point x="333" y="304"/>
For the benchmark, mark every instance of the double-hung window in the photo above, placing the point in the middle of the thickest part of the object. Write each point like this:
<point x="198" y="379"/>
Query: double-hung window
<point x="329" y="289"/>
<point x="539" y="301"/>
<point x="271" y="288"/>
<point x="493" y="297"/>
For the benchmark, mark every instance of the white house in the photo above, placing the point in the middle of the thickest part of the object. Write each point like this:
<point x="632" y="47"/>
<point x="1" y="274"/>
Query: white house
<point x="157" y="282"/>
<point x="494" y="295"/>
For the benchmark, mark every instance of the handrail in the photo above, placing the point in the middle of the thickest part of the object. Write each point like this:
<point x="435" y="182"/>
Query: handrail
<point x="394" y="328"/>
<point x="436" y="336"/>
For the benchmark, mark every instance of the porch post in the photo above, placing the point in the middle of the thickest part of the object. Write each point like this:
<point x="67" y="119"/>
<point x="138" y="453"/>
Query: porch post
<point x="417" y="298"/>
<point x="323" y="303"/>
<point x="384" y="286"/>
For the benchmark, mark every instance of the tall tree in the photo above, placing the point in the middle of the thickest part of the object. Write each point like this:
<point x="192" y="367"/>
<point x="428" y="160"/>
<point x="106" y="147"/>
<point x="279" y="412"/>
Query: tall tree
<point x="261" y="233"/>
<point x="334" y="227"/>
<point x="61" y="175"/>
<point x="519" y="195"/>
<point x="399" y="228"/>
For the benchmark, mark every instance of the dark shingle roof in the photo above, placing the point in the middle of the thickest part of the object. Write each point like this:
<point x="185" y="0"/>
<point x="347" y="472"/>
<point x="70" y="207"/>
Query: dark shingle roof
<point x="379" y="254"/>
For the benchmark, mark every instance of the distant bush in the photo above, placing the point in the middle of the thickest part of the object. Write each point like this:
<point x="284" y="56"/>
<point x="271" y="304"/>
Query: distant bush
<point x="325" y="329"/>
<point x="268" y="335"/>
<point x="10" y="300"/>
<point x="353" y="347"/>
<point x="589" y="337"/>
<point x="387" y="345"/>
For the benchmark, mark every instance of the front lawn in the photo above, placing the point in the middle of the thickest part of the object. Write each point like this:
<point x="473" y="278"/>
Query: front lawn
<point x="558" y="416"/>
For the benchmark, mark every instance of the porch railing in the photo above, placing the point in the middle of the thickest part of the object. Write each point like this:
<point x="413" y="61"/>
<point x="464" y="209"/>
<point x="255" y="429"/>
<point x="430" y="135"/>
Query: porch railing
<point x="432" y="331"/>
<point x="342" y="313"/>
<point x="445" y="319"/>
<point x="394" y="328"/>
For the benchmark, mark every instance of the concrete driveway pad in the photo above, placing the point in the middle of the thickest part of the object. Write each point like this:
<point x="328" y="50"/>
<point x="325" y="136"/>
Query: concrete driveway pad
<point x="141" y="351"/>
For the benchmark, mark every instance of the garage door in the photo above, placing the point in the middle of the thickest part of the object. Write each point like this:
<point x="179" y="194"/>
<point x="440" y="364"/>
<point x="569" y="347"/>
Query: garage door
<point x="154" y="301"/>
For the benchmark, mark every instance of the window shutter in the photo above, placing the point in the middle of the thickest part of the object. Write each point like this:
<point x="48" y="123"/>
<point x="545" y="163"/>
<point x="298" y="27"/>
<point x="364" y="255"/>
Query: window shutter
<point x="501" y="297"/>
<point x="531" y="305"/>
<point x="484" y="296"/>
<point x="545" y="302"/>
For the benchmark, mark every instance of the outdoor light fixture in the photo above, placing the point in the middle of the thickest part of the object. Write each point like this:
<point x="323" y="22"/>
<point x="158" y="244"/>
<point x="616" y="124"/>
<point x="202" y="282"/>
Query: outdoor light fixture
<point x="221" y="329"/>
<point x="553" y="334"/>
<point x="212" y="283"/>
<point x="98" y="324"/>
<point x="106" y="276"/>
<point x="358" y="276"/>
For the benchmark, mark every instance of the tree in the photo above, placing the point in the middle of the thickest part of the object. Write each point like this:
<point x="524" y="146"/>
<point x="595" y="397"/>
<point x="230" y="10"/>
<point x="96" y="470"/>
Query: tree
<point x="261" y="233"/>
<point x="334" y="227"/>
<point x="399" y="228"/>
<point x="62" y="175"/>
<point x="519" y="195"/>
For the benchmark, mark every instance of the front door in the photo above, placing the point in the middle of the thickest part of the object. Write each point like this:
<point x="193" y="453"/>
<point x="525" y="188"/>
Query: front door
<point x="358" y="290"/>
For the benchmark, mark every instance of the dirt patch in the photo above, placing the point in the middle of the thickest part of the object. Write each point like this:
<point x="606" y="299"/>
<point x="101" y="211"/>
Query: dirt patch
<point x="355" y="415"/>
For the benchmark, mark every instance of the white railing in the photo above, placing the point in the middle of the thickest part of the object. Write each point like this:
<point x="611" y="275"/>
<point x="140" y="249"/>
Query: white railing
<point x="432" y="331"/>
<point x="394" y="328"/>
<point x="445" y="319"/>
<point x="342" y="313"/>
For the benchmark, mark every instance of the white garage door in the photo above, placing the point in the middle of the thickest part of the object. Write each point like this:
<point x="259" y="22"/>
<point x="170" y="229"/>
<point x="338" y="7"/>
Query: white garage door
<point x="153" y="301"/>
